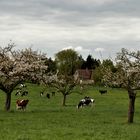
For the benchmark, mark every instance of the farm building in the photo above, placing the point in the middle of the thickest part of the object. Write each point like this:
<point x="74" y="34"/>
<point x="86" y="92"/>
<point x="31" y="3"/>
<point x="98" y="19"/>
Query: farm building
<point x="84" y="75"/>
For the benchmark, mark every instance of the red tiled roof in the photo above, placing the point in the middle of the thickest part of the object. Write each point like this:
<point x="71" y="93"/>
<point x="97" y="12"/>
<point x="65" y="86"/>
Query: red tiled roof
<point x="84" y="74"/>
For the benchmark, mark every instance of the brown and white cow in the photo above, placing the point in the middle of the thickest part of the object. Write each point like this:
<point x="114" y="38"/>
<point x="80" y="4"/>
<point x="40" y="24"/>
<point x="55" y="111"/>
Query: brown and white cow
<point x="21" y="104"/>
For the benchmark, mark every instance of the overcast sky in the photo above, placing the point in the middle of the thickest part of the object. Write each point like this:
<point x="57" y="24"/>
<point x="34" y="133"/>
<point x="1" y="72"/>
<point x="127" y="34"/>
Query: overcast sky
<point x="97" y="27"/>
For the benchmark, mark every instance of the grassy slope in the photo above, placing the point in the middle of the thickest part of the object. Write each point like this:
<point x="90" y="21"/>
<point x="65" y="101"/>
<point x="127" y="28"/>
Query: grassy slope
<point x="46" y="119"/>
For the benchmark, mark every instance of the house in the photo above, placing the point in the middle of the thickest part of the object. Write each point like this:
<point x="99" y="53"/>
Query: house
<point x="84" y="76"/>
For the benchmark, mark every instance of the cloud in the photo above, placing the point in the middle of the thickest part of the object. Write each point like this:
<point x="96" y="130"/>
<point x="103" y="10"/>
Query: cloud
<point x="82" y="50"/>
<point x="99" y="49"/>
<point x="87" y="26"/>
<point x="77" y="49"/>
<point x="67" y="48"/>
<point x="56" y="11"/>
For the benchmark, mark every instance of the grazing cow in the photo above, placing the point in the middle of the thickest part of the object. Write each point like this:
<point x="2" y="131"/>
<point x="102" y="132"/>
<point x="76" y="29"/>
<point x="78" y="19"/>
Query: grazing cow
<point x="18" y="92"/>
<point x="53" y="93"/>
<point x="41" y="94"/>
<point x="48" y="95"/>
<point x="22" y="86"/>
<point x="85" y="102"/>
<point x="103" y="91"/>
<point x="21" y="104"/>
<point x="25" y="93"/>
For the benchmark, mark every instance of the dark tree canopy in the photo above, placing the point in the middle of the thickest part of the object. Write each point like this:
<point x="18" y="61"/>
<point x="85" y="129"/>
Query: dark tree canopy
<point x="90" y="63"/>
<point x="51" y="65"/>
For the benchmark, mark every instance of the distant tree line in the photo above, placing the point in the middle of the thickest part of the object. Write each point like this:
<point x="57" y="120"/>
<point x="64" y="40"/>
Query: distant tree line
<point x="68" y="61"/>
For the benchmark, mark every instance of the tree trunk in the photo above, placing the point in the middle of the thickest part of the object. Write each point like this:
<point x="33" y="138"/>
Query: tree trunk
<point x="64" y="100"/>
<point x="131" y="109"/>
<point x="8" y="101"/>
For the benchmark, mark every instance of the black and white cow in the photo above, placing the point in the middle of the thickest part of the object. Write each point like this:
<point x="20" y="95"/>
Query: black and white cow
<point x="41" y="94"/>
<point x="85" y="102"/>
<point x="22" y="86"/>
<point x="18" y="92"/>
<point x="24" y="93"/>
<point x="53" y="93"/>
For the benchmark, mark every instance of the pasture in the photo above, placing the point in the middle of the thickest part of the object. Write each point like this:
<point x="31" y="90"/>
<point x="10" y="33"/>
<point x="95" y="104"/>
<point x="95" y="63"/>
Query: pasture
<point x="46" y="119"/>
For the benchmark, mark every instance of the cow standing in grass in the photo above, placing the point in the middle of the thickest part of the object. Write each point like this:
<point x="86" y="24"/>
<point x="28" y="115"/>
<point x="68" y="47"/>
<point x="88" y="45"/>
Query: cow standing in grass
<point x="53" y="93"/>
<point x="18" y="92"/>
<point x="21" y="104"/>
<point x="85" y="102"/>
<point x="24" y="93"/>
<point x="103" y="91"/>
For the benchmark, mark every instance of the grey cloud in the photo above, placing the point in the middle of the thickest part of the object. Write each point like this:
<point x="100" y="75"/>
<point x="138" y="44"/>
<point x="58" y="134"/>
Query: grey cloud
<point x="76" y="23"/>
<point x="110" y="47"/>
<point x="64" y="13"/>
<point x="68" y="10"/>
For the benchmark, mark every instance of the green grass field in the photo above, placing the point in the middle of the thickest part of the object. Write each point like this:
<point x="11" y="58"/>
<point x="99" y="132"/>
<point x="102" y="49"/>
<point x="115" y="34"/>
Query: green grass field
<point x="46" y="119"/>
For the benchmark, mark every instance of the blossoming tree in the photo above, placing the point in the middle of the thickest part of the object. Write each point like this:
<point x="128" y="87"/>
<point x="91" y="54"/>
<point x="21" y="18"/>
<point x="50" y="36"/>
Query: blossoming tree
<point x="127" y="76"/>
<point x="17" y="66"/>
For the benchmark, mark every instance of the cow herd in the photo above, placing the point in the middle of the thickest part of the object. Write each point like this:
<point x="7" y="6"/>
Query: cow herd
<point x="22" y="103"/>
<point x="21" y="91"/>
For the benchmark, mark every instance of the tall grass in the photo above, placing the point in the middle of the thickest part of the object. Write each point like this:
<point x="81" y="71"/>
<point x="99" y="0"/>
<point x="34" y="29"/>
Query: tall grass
<point x="46" y="119"/>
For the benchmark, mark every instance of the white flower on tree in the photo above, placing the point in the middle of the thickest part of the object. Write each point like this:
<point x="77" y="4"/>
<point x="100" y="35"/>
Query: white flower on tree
<point x="19" y="66"/>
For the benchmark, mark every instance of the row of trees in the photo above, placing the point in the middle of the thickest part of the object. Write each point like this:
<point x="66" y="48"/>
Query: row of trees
<point x="68" y="61"/>
<point x="28" y="65"/>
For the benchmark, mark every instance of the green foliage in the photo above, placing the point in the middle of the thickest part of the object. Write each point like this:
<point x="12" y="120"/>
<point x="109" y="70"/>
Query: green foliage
<point x="47" y="119"/>
<point x="107" y="63"/>
<point x="97" y="75"/>
<point x="100" y="70"/>
<point x="67" y="61"/>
